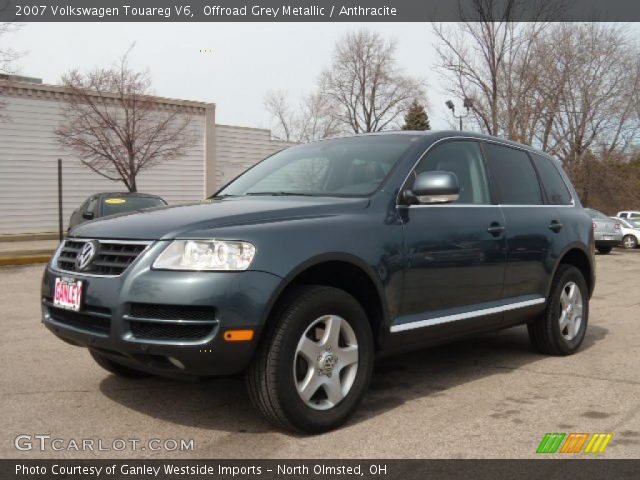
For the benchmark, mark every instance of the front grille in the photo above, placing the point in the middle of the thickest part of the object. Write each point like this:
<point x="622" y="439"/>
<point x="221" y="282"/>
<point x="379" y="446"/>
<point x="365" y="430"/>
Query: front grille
<point x="111" y="258"/>
<point x="171" y="312"/>
<point x="95" y="320"/>
<point x="170" y="331"/>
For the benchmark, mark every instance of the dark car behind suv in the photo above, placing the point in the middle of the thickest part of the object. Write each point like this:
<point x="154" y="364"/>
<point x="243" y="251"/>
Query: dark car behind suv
<point x="104" y="204"/>
<point x="304" y="268"/>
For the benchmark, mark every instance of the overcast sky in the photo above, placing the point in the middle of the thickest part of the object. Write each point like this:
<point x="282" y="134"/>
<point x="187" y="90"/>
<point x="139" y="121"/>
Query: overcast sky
<point x="241" y="62"/>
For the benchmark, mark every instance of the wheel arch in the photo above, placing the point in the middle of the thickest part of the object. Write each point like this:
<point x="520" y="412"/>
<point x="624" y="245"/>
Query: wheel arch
<point x="344" y="271"/>
<point x="578" y="256"/>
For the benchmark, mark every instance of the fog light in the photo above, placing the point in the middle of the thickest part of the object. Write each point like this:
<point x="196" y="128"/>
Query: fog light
<point x="176" y="362"/>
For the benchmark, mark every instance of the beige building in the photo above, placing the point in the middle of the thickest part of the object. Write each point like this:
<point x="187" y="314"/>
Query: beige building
<point x="29" y="151"/>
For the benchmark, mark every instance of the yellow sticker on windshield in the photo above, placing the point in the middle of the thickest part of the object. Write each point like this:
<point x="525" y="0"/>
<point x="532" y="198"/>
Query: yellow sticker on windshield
<point x="115" y="200"/>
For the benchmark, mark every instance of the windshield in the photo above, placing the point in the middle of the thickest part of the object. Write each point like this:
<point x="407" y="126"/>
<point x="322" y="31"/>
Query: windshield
<point x="354" y="166"/>
<point x="113" y="205"/>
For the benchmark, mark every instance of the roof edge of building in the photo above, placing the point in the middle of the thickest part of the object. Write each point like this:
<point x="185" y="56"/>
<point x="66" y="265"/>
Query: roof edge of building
<point x="24" y="89"/>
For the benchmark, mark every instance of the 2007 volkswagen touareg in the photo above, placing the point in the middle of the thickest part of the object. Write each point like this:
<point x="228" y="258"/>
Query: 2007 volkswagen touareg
<point x="304" y="268"/>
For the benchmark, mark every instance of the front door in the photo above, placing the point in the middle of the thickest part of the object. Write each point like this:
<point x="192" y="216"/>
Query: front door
<point x="454" y="253"/>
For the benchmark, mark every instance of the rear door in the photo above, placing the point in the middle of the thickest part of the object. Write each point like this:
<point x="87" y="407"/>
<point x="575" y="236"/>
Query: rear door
<point x="532" y="230"/>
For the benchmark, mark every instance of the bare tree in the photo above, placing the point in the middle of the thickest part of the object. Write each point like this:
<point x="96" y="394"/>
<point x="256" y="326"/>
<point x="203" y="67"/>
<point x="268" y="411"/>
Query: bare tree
<point x="488" y="58"/>
<point x="7" y="55"/>
<point x="596" y="119"/>
<point x="114" y="125"/>
<point x="312" y="120"/>
<point x="570" y="89"/>
<point x="286" y="121"/>
<point x="364" y="84"/>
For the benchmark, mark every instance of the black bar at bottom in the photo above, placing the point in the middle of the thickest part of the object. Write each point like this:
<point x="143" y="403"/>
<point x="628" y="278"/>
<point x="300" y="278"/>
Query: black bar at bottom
<point x="544" y="468"/>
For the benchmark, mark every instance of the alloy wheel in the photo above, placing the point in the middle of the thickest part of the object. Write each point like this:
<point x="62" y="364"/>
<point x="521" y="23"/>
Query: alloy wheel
<point x="326" y="362"/>
<point x="570" y="311"/>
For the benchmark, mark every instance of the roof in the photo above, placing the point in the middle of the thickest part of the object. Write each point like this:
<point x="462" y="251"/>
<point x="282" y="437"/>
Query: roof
<point x="440" y="134"/>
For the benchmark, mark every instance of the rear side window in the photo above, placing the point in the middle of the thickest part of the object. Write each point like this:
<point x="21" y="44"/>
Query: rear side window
<point x="554" y="186"/>
<point x="514" y="176"/>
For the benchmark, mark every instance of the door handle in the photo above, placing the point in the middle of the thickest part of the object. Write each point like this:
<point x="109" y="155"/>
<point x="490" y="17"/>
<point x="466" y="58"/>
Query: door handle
<point x="555" y="226"/>
<point x="495" y="229"/>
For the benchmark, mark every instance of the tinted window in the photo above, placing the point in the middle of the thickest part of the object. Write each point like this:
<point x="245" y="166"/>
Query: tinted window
<point x="113" y="205"/>
<point x="465" y="160"/>
<point x="347" y="166"/>
<point x="554" y="186"/>
<point x="514" y="175"/>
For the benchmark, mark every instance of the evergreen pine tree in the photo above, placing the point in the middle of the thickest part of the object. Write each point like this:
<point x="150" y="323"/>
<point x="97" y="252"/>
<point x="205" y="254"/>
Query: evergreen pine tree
<point x="416" y="118"/>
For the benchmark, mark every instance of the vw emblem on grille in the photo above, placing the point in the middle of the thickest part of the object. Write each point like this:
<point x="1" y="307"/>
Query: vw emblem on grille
<point x="86" y="255"/>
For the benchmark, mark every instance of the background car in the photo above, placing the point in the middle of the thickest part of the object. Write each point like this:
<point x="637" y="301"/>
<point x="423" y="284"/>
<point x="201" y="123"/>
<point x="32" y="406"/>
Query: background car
<point x="630" y="232"/>
<point x="607" y="232"/>
<point x="110" y="203"/>
<point x="629" y="214"/>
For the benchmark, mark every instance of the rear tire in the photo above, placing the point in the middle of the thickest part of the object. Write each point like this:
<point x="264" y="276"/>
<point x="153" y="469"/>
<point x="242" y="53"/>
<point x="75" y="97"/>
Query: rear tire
<point x="604" y="250"/>
<point x="330" y="328"/>
<point x="630" y="242"/>
<point x="561" y="329"/>
<point x="115" y="368"/>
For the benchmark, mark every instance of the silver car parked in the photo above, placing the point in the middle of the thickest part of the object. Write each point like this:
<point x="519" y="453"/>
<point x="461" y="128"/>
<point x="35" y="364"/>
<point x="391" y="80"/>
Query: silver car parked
<point x="607" y="232"/>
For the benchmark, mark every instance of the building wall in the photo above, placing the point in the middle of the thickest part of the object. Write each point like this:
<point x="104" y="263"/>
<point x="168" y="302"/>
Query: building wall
<point x="238" y="148"/>
<point x="29" y="153"/>
<point x="28" y="169"/>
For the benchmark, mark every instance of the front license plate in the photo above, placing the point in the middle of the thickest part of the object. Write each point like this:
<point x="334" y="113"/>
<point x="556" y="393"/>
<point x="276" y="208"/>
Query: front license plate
<point x="68" y="293"/>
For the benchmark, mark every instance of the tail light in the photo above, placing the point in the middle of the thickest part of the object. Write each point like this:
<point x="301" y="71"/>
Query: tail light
<point x="593" y="224"/>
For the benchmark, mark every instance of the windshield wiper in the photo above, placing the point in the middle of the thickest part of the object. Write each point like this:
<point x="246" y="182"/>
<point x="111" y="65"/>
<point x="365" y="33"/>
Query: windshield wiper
<point x="224" y="195"/>
<point x="280" y="194"/>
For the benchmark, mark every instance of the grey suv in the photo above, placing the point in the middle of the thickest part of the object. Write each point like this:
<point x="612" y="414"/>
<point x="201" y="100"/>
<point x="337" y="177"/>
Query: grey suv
<point x="306" y="267"/>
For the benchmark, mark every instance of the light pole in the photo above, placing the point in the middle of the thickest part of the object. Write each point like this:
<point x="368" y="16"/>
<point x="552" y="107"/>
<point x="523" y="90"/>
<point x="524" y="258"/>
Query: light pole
<point x="466" y="103"/>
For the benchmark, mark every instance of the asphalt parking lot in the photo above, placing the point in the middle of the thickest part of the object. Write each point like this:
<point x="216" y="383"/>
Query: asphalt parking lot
<point x="489" y="396"/>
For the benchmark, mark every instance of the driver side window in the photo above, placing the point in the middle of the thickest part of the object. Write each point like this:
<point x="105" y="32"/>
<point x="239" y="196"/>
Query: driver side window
<point x="464" y="159"/>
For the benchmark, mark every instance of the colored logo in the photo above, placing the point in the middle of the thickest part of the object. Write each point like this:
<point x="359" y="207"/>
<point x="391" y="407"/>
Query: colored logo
<point x="574" y="443"/>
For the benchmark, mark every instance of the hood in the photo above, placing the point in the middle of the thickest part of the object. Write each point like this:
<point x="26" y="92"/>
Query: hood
<point x="166" y="223"/>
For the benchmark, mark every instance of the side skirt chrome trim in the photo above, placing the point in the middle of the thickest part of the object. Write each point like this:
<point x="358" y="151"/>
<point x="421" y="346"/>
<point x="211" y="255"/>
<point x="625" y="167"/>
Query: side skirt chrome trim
<point x="463" y="316"/>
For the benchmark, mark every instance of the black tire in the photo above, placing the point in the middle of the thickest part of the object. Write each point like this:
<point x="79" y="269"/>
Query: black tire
<point x="270" y="378"/>
<point x="545" y="332"/>
<point x="115" y="368"/>
<point x="604" y="250"/>
<point x="630" y="242"/>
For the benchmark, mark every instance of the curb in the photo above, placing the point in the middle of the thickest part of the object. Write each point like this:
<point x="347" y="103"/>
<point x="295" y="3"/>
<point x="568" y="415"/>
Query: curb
<point x="24" y="259"/>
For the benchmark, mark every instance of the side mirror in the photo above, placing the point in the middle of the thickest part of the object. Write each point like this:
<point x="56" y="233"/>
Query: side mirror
<point x="87" y="215"/>
<point x="435" y="187"/>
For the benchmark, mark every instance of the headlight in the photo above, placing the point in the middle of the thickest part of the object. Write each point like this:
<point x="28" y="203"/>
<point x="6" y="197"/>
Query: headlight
<point x="206" y="255"/>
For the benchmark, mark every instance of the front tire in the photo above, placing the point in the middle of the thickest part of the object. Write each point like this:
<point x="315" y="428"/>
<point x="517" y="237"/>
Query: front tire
<point x="115" y="368"/>
<point x="561" y="330"/>
<point x="604" y="250"/>
<point x="630" y="242"/>
<point x="314" y="365"/>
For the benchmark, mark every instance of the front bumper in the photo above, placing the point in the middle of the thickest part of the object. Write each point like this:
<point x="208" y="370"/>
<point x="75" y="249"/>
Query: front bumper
<point x="109" y="321"/>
